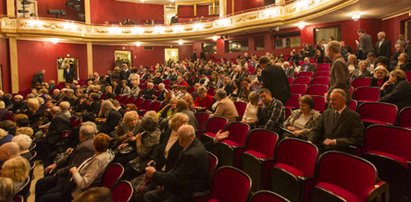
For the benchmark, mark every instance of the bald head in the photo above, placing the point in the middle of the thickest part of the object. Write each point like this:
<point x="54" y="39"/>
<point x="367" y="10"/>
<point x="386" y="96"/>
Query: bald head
<point x="186" y="135"/>
<point x="9" y="150"/>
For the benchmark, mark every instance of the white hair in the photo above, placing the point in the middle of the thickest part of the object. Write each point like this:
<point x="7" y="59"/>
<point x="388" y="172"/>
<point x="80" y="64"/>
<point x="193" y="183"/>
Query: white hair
<point x="24" y="141"/>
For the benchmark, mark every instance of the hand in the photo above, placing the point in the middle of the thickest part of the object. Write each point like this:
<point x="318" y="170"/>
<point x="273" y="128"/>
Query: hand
<point x="221" y="136"/>
<point x="150" y="171"/>
<point x="73" y="170"/>
<point x="50" y="168"/>
<point x="297" y="133"/>
<point x="69" y="150"/>
<point x="122" y="145"/>
<point x="292" y="128"/>
<point x="329" y="142"/>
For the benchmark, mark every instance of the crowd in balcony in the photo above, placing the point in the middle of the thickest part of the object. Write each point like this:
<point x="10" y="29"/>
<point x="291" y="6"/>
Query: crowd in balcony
<point x="147" y="115"/>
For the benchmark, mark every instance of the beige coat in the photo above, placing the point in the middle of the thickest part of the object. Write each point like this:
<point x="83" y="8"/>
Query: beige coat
<point x="226" y="108"/>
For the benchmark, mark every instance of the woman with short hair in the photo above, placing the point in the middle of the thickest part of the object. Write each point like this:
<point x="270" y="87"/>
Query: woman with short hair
<point x="397" y="90"/>
<point x="17" y="169"/>
<point x="24" y="141"/>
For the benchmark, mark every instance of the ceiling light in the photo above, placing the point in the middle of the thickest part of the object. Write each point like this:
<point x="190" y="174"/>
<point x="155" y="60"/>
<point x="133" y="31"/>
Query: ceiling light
<point x="356" y="15"/>
<point x="180" y="42"/>
<point x="301" y="25"/>
<point x="54" y="40"/>
<point x="137" y="43"/>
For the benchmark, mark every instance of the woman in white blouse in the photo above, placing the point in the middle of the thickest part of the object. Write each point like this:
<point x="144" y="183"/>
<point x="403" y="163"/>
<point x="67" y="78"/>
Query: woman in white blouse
<point x="250" y="114"/>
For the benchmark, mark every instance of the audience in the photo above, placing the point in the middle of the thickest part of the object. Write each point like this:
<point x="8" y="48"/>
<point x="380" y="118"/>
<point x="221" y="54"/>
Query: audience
<point x="24" y="142"/>
<point x="225" y="106"/>
<point x="250" y="114"/>
<point x="271" y="112"/>
<point x="7" y="190"/>
<point x="396" y="90"/>
<point x="17" y="169"/>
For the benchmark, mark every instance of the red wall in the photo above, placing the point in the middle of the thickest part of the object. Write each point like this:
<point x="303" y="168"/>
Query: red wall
<point x="392" y="27"/>
<point x="185" y="11"/>
<point x="241" y="5"/>
<point x="44" y="5"/>
<point x="3" y="7"/>
<point x="117" y="11"/>
<point x="5" y="63"/>
<point x="34" y="56"/>
<point x="103" y="56"/>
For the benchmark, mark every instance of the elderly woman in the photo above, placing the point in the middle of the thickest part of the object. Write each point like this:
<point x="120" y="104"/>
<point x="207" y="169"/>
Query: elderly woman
<point x="182" y="107"/>
<point x="24" y="142"/>
<point x="135" y="89"/>
<point x="352" y="63"/>
<point x="225" y="106"/>
<point x="35" y="113"/>
<point x="397" y="90"/>
<point x="162" y="92"/>
<point x="362" y="71"/>
<point x="17" y="169"/>
<point x="250" y="115"/>
<point x="129" y="127"/>
<point x="109" y="116"/>
<point x="303" y="120"/>
<point x="203" y="100"/>
<point x="6" y="189"/>
<point x="4" y="136"/>
<point x="125" y="89"/>
<point x="380" y="76"/>
<point x="169" y="109"/>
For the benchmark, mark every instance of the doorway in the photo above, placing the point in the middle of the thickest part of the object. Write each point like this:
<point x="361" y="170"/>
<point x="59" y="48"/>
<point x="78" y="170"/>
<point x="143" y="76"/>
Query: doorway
<point x="171" y="54"/>
<point x="63" y="64"/>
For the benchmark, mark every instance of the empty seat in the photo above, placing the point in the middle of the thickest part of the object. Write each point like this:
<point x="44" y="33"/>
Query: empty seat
<point x="258" y="156"/>
<point x="345" y="177"/>
<point x="353" y="105"/>
<point x="320" y="80"/>
<point x="317" y="89"/>
<point x="240" y="106"/>
<point x="293" y="101"/>
<point x="366" y="94"/>
<point x="155" y="106"/>
<point x="387" y="147"/>
<point x="122" y="191"/>
<point x="229" y="185"/>
<point x="361" y="82"/>
<point x="138" y="102"/>
<point x="321" y="74"/>
<point x="302" y="80"/>
<point x="305" y="74"/>
<point x="404" y="118"/>
<point x="214" y="124"/>
<point x="112" y="174"/>
<point x="230" y="148"/>
<point x="201" y="118"/>
<point x="290" y="80"/>
<point x="319" y="102"/>
<point x="378" y="112"/>
<point x="298" y="89"/>
<point x="144" y="107"/>
<point x="267" y="196"/>
<point x="295" y="164"/>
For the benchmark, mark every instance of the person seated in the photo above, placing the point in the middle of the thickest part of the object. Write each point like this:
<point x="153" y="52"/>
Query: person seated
<point x="169" y="109"/>
<point x="128" y="127"/>
<point x="125" y="89"/>
<point x="362" y="71"/>
<point x="271" y="112"/>
<point x="17" y="169"/>
<point x="245" y="90"/>
<point x="182" y="107"/>
<point x="135" y="88"/>
<point x="8" y="151"/>
<point x="250" y="114"/>
<point x="25" y="130"/>
<point x="24" y="142"/>
<point x="288" y="69"/>
<point x="396" y="90"/>
<point x="302" y="120"/>
<point x="203" y="100"/>
<point x="352" y="63"/>
<point x="95" y="194"/>
<point x="157" y="78"/>
<point x="5" y="136"/>
<point x="162" y="92"/>
<point x="35" y="113"/>
<point x="225" y="106"/>
<point x="109" y="116"/>
<point x="380" y="76"/>
<point x="403" y="62"/>
<point x="189" y="175"/>
<point x="7" y="191"/>
<point x="307" y="66"/>
<point x="149" y="92"/>
<point x="339" y="128"/>
<point x="57" y="174"/>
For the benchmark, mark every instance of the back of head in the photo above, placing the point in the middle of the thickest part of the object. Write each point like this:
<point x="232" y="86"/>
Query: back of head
<point x="88" y="130"/>
<point x="10" y="149"/>
<point x="95" y="194"/>
<point x="264" y="60"/>
<point x="6" y="189"/>
<point x="2" y="105"/>
<point x="24" y="141"/>
<point x="16" y="168"/>
<point x="221" y="93"/>
<point x="334" y="47"/>
<point x="64" y="106"/>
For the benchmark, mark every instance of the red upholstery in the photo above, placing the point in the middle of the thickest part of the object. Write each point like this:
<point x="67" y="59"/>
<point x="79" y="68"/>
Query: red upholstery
<point x="321" y="80"/>
<point x="298" y="89"/>
<point x="138" y="102"/>
<point x="112" y="174"/>
<point x="230" y="185"/>
<point x="202" y="118"/>
<point x="238" y="133"/>
<point x="145" y="105"/>
<point x="130" y="100"/>
<point x="240" y="106"/>
<point x="317" y="89"/>
<point x="404" y="117"/>
<point x="290" y="80"/>
<point x="212" y="164"/>
<point x="267" y="196"/>
<point x="155" y="106"/>
<point x="319" y="102"/>
<point x="302" y="80"/>
<point x="346" y="175"/>
<point x="305" y="74"/>
<point x="322" y="74"/>
<point x="214" y="124"/>
<point x="366" y="94"/>
<point x="122" y="192"/>
<point x="371" y="112"/>
<point x="292" y="102"/>
<point x="353" y="105"/>
<point x="360" y="82"/>
<point x="263" y="142"/>
<point x="288" y="112"/>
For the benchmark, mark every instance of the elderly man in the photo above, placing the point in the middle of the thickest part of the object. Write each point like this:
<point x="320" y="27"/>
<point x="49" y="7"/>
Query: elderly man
<point x="339" y="127"/>
<point x="188" y="176"/>
<point x="75" y="157"/>
<point x="272" y="114"/>
<point x="383" y="46"/>
<point x="225" y="106"/>
<point x="8" y="151"/>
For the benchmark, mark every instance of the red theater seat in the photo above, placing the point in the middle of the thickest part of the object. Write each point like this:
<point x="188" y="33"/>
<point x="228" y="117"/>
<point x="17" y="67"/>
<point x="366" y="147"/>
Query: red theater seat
<point x="231" y="147"/>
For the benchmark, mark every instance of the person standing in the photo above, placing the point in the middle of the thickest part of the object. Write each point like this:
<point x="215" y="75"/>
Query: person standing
<point x="365" y="44"/>
<point x="339" y="76"/>
<point x="275" y="80"/>
<point x="383" y="46"/>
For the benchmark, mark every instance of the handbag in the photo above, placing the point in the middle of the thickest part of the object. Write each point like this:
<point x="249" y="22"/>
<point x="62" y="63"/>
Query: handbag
<point x="138" y="164"/>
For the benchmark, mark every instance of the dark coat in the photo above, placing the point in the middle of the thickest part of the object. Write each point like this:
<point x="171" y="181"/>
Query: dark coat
<point x="173" y="153"/>
<point x="398" y="94"/>
<point x="111" y="122"/>
<point x="384" y="49"/>
<point x="276" y="81"/>
<point x="68" y="76"/>
<point x="58" y="124"/>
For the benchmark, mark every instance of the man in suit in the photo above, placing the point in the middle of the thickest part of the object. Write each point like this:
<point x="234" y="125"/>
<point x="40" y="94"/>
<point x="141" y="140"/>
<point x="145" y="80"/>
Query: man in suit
<point x="275" y="80"/>
<point x="339" y="75"/>
<point x="364" y="44"/>
<point x="340" y="127"/>
<point x="383" y="46"/>
<point x="68" y="74"/>
<point x="58" y="172"/>
<point x="38" y="78"/>
<point x="188" y="176"/>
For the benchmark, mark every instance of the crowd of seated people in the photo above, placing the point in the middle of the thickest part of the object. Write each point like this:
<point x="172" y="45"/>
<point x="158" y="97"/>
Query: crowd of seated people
<point x="113" y="129"/>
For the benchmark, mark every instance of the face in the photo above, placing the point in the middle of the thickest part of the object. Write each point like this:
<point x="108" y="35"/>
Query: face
<point x="379" y="74"/>
<point x="392" y="79"/>
<point x="203" y="94"/>
<point x="362" y="66"/>
<point x="337" y="102"/>
<point x="265" y="98"/>
<point x="133" y="121"/>
<point x="304" y="107"/>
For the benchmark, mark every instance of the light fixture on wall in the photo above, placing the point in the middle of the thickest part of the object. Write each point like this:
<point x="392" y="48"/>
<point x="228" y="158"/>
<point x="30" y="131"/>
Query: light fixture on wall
<point x="215" y="38"/>
<point x="137" y="43"/>
<point x="54" y="40"/>
<point x="180" y="42"/>
<point x="301" y="25"/>
<point x="356" y="15"/>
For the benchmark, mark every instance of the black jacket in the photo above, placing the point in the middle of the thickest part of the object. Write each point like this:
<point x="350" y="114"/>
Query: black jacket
<point x="398" y="94"/>
<point x="276" y="81"/>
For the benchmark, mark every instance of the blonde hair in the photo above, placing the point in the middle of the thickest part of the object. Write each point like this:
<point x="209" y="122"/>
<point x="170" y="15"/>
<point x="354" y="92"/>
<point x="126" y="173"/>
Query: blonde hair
<point x="24" y="141"/>
<point x="25" y="130"/>
<point x="152" y="114"/>
<point x="3" y="133"/>
<point x="33" y="104"/>
<point x="16" y="169"/>
<point x="6" y="189"/>
<point x="129" y="116"/>
<point x="177" y="120"/>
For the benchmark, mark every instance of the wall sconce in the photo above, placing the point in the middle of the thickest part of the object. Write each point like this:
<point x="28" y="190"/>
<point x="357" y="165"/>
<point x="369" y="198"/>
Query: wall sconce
<point x="355" y="16"/>
<point x="301" y="25"/>
<point x="180" y="42"/>
<point x="215" y="38"/>
<point x="137" y="43"/>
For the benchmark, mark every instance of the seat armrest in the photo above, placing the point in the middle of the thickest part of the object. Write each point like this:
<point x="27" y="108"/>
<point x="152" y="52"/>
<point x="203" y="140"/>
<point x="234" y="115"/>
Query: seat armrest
<point x="380" y="192"/>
